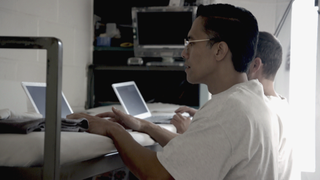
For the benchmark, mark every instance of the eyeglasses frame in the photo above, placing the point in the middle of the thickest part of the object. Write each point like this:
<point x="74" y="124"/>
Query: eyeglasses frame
<point x="186" y="42"/>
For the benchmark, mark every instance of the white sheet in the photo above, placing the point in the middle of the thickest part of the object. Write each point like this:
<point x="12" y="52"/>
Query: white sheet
<point x="25" y="150"/>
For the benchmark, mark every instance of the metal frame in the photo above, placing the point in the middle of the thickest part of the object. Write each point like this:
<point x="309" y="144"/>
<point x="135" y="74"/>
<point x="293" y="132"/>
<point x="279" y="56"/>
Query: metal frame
<point x="53" y="102"/>
<point x="52" y="170"/>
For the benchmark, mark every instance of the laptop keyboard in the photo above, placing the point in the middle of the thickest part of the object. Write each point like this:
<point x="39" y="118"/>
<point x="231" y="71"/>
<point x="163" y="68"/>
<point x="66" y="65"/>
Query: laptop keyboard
<point x="159" y="119"/>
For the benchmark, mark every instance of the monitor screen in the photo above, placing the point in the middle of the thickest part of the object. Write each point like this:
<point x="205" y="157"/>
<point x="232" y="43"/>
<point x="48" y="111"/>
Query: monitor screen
<point x="159" y="28"/>
<point x="160" y="31"/>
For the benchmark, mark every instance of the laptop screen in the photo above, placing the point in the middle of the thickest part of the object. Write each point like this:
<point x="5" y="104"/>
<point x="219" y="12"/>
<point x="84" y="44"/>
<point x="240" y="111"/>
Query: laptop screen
<point x="38" y="96"/>
<point x="131" y="100"/>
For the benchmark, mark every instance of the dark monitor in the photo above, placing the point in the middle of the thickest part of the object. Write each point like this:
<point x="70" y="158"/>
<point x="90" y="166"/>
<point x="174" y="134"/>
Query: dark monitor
<point x="160" y="31"/>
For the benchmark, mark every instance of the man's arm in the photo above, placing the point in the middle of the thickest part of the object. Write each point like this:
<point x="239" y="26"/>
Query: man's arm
<point x="159" y="134"/>
<point x="141" y="161"/>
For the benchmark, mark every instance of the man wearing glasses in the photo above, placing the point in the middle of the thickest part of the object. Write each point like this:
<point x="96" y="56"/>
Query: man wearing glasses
<point x="264" y="67"/>
<point x="232" y="136"/>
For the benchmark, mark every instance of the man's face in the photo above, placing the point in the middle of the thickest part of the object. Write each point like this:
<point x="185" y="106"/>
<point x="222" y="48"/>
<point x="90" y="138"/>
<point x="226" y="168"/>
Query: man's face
<point x="199" y="59"/>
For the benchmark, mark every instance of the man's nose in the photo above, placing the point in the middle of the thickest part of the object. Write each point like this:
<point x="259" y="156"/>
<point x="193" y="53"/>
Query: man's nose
<point x="184" y="53"/>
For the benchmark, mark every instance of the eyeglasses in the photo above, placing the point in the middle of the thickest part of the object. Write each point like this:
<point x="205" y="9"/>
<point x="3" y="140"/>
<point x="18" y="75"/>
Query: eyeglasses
<point x="187" y="42"/>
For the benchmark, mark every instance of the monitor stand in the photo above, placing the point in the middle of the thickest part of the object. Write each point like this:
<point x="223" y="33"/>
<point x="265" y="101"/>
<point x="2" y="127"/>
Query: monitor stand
<point x="166" y="61"/>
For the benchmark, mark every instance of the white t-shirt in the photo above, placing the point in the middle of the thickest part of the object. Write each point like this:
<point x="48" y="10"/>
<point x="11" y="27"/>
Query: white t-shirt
<point x="281" y="107"/>
<point x="233" y="136"/>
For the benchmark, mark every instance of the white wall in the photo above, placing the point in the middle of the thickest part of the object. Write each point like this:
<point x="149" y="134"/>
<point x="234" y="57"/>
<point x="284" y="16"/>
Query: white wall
<point x="316" y="175"/>
<point x="68" y="20"/>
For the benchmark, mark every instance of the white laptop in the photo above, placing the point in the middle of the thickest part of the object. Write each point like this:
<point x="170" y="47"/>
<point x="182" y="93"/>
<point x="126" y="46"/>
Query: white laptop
<point x="130" y="98"/>
<point x="36" y="92"/>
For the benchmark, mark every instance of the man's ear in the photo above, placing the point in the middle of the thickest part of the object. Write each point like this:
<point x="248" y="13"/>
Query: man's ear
<point x="221" y="50"/>
<point x="256" y="64"/>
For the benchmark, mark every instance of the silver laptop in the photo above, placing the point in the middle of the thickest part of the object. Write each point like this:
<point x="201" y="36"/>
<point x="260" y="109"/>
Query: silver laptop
<point x="131" y="100"/>
<point x="36" y="92"/>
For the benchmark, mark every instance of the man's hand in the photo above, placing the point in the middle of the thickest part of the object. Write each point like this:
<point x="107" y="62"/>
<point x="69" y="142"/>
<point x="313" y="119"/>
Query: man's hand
<point x="97" y="125"/>
<point x="180" y="122"/>
<point x="183" y="109"/>
<point x="124" y="119"/>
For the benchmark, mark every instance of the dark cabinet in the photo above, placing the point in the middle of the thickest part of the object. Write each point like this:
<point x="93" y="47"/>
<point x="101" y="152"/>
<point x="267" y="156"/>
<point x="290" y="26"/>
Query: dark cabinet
<point x="156" y="84"/>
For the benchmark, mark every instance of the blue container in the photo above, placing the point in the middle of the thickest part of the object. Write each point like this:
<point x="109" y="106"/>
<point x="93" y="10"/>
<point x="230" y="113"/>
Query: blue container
<point x="103" y="41"/>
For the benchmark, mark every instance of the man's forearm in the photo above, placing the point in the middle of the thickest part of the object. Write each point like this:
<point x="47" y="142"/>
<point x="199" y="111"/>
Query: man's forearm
<point x="159" y="134"/>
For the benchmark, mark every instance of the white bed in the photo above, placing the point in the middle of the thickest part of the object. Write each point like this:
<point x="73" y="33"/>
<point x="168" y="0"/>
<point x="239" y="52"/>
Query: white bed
<point x="26" y="150"/>
<point x="65" y="155"/>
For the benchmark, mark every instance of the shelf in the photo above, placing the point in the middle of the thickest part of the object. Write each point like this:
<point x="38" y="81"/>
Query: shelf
<point x="108" y="48"/>
<point x="139" y="68"/>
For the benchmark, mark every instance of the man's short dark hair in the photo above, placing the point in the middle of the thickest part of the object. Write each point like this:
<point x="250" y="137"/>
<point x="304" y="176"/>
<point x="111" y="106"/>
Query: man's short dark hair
<point x="234" y="25"/>
<point x="269" y="50"/>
